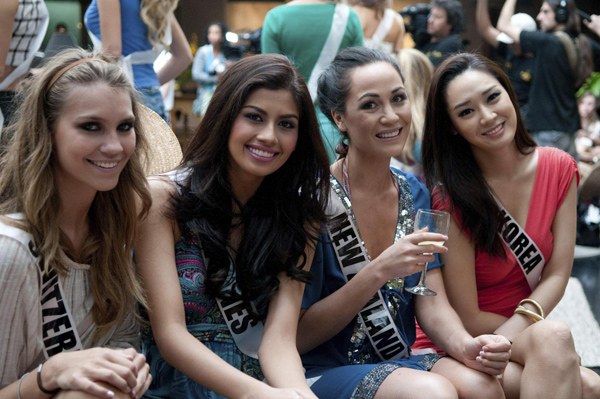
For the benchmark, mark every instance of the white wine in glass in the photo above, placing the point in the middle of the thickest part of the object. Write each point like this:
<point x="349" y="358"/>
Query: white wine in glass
<point x="435" y="222"/>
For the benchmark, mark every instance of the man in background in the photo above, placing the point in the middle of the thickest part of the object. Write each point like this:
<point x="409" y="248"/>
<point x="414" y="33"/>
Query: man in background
<point x="444" y="24"/>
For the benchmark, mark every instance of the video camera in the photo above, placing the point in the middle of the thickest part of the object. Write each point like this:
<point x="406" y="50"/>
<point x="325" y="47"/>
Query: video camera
<point x="415" y="18"/>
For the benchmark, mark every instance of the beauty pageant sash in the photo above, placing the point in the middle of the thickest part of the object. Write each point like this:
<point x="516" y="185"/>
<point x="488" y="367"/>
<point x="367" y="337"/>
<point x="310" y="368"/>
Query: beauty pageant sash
<point x="352" y="257"/>
<point x="524" y="249"/>
<point x="246" y="330"/>
<point x="331" y="47"/>
<point x="59" y="332"/>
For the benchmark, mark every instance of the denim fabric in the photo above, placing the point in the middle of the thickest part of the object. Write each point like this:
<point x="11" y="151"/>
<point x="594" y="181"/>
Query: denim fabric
<point x="553" y="138"/>
<point x="153" y="100"/>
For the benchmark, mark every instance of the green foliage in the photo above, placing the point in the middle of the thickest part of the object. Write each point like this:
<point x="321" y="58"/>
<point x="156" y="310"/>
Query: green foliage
<point x="591" y="84"/>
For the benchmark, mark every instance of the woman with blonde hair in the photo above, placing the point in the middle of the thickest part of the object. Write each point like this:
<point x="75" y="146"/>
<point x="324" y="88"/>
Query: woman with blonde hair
<point x="135" y="32"/>
<point x="383" y="28"/>
<point x="72" y="190"/>
<point x="419" y="73"/>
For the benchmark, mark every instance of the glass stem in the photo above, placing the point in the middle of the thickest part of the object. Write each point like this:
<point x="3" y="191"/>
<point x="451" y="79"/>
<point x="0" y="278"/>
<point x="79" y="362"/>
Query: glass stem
<point x="423" y="273"/>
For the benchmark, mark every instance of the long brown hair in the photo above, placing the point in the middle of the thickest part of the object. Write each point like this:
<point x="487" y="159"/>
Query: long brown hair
<point x="282" y="216"/>
<point x="448" y="160"/>
<point x="28" y="186"/>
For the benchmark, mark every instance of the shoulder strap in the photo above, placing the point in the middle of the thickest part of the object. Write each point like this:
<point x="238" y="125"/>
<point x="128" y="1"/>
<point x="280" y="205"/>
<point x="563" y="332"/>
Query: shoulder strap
<point x="331" y="47"/>
<point x="570" y="49"/>
<point x="352" y="257"/>
<point x="59" y="332"/>
<point x="523" y="248"/>
<point x="384" y="27"/>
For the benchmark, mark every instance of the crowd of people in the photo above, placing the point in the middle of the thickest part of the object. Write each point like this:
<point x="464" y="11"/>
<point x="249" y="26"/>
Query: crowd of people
<point x="272" y="262"/>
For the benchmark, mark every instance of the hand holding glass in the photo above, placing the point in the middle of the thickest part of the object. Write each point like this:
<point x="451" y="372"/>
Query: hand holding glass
<point x="435" y="222"/>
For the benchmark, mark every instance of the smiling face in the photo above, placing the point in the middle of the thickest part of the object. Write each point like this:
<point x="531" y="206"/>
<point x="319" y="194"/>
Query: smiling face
<point x="481" y="111"/>
<point x="437" y="24"/>
<point x="263" y="135"/>
<point x="377" y="111"/>
<point x="546" y="18"/>
<point x="93" y="138"/>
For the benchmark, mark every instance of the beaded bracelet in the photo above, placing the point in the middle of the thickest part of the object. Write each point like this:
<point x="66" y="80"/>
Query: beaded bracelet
<point x="19" y="385"/>
<point x="526" y="312"/>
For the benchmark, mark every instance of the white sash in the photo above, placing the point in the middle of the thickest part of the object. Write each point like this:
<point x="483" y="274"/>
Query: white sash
<point x="246" y="330"/>
<point x="137" y="57"/>
<point x="524" y="249"/>
<point x="352" y="257"/>
<point x="382" y="29"/>
<point x="34" y="46"/>
<point x="331" y="47"/>
<point x="59" y="333"/>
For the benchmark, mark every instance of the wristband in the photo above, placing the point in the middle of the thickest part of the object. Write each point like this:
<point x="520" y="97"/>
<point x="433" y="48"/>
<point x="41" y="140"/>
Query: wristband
<point x="39" y="382"/>
<point x="19" y="385"/>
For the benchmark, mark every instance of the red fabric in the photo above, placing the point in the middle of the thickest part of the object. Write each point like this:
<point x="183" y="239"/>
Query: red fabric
<point x="501" y="284"/>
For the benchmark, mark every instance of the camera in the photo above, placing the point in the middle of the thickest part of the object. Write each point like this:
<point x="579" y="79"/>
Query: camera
<point x="415" y="18"/>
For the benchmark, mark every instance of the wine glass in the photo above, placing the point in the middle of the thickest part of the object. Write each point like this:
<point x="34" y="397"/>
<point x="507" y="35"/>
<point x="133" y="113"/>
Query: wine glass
<point x="435" y="222"/>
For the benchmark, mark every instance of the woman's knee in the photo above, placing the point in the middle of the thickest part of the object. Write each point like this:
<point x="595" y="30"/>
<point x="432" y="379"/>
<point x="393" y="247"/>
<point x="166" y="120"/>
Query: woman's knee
<point x="407" y="383"/>
<point x="590" y="384"/>
<point x="477" y="385"/>
<point x="552" y="343"/>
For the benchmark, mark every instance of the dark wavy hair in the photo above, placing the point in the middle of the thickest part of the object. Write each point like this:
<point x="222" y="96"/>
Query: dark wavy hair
<point x="585" y="62"/>
<point x="334" y="82"/>
<point x="455" y="15"/>
<point x="448" y="160"/>
<point x="287" y="208"/>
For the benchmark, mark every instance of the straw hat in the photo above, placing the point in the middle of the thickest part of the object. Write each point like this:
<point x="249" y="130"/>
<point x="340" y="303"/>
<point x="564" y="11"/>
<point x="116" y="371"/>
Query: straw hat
<point x="164" y="148"/>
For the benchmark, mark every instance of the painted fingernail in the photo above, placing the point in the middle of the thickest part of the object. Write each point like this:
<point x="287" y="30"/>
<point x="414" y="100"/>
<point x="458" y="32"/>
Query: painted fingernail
<point x="485" y="348"/>
<point x="478" y="359"/>
<point x="482" y="353"/>
<point x="133" y="392"/>
<point x="110" y="394"/>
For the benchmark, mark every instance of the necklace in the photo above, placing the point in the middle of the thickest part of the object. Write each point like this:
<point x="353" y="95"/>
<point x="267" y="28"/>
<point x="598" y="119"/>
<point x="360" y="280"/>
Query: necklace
<point x="346" y="179"/>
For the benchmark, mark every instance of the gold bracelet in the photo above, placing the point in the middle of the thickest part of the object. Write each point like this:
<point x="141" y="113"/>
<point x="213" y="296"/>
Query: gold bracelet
<point x="526" y="312"/>
<point x="535" y="304"/>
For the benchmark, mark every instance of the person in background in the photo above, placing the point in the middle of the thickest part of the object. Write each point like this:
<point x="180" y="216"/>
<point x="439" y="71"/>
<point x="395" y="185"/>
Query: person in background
<point x="60" y="40"/>
<point x="512" y="233"/>
<point x="68" y="290"/>
<point x="225" y="252"/>
<point x="135" y="32"/>
<point x="587" y="142"/>
<point x="418" y="71"/>
<point x="444" y="24"/>
<point x="357" y="321"/>
<point x="564" y="59"/>
<point x="311" y="33"/>
<point x="383" y="28"/>
<point x="209" y="64"/>
<point x="23" y="25"/>
<point x="517" y="65"/>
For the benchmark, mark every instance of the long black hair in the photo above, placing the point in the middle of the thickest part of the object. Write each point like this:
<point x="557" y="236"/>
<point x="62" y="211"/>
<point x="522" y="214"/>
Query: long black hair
<point x="287" y="208"/>
<point x="448" y="160"/>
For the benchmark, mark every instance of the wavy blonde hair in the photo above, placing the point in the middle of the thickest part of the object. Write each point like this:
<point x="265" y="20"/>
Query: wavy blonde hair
<point x="418" y="72"/>
<point x="156" y="14"/>
<point x="28" y="186"/>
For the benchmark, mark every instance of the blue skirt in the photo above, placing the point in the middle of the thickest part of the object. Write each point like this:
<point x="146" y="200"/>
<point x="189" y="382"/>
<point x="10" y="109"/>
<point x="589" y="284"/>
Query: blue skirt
<point x="361" y="381"/>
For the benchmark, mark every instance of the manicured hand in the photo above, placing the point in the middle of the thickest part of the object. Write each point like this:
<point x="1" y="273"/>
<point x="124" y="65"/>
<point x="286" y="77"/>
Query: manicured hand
<point x="488" y="353"/>
<point x="85" y="370"/>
